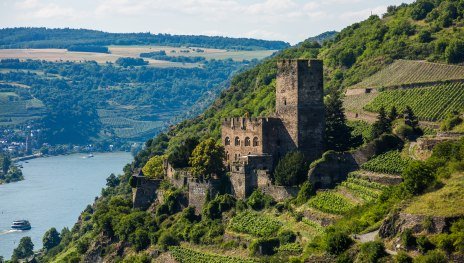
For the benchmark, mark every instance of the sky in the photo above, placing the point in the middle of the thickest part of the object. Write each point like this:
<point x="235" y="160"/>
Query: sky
<point x="288" y="20"/>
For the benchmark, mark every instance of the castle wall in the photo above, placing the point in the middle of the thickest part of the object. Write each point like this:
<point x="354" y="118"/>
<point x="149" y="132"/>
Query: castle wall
<point x="145" y="193"/>
<point x="249" y="173"/>
<point x="198" y="191"/>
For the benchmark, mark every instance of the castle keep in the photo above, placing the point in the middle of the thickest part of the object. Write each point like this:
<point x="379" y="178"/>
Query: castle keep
<point x="253" y="146"/>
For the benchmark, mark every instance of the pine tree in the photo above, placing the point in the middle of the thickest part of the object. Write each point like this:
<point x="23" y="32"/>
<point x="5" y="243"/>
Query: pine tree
<point x="383" y="123"/>
<point x="410" y="118"/>
<point x="393" y="115"/>
<point x="337" y="132"/>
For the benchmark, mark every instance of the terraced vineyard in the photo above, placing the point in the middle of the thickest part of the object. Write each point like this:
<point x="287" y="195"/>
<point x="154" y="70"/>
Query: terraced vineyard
<point x="331" y="202"/>
<point x="367" y="191"/>
<point x="186" y="255"/>
<point x="403" y="72"/>
<point x="254" y="224"/>
<point x="390" y="163"/>
<point x="431" y="103"/>
<point x="319" y="229"/>
<point x="356" y="103"/>
<point x="127" y="128"/>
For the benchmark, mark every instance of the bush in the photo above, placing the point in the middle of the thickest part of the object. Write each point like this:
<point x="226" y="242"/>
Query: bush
<point x="291" y="170"/>
<point x="407" y="239"/>
<point x="421" y="9"/>
<point x="286" y="236"/>
<point x="140" y="239"/>
<point x="337" y="242"/>
<point x="418" y="176"/>
<point x="166" y="240"/>
<point x="371" y="252"/>
<point x="306" y="191"/>
<point x="424" y="244"/>
<point x="258" y="200"/>
<point x="433" y="256"/>
<point x="403" y="257"/>
<point x="454" y="53"/>
<point x="264" y="246"/>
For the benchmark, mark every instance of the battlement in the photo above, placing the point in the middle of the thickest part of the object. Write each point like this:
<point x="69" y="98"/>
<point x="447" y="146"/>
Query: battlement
<point x="311" y="63"/>
<point x="244" y="123"/>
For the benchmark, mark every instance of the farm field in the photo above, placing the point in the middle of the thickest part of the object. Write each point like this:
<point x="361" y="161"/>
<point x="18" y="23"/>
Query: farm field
<point x="131" y="51"/>
<point x="431" y="103"/>
<point x="389" y="163"/>
<point x="187" y="255"/>
<point x="15" y="110"/>
<point x="403" y="72"/>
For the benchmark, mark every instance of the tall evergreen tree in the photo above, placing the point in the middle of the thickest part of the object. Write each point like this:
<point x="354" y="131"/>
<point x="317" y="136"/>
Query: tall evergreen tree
<point x="383" y="123"/>
<point x="337" y="132"/>
<point x="410" y="118"/>
<point x="393" y="114"/>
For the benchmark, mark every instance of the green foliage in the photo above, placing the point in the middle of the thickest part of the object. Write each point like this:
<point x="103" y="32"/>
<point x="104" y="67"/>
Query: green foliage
<point x="424" y="244"/>
<point x="186" y="255"/>
<point x="219" y="205"/>
<point x="454" y="53"/>
<point x="180" y="155"/>
<point x="337" y="132"/>
<point x="371" y="252"/>
<point x="429" y="103"/>
<point x="383" y="123"/>
<point x="207" y="159"/>
<point x="407" y="238"/>
<point x="368" y="191"/>
<point x="306" y="191"/>
<point x="390" y="162"/>
<point x="403" y="257"/>
<point x="24" y="249"/>
<point x="51" y="238"/>
<point x="337" y="242"/>
<point x="330" y="202"/>
<point x="154" y="168"/>
<point x="254" y="224"/>
<point x="258" y="200"/>
<point x="452" y="120"/>
<point x="434" y="256"/>
<point x="112" y="180"/>
<point x="167" y="240"/>
<point x="291" y="170"/>
<point x="286" y="236"/>
<point x="421" y="9"/>
<point x="418" y="176"/>
<point x="361" y="132"/>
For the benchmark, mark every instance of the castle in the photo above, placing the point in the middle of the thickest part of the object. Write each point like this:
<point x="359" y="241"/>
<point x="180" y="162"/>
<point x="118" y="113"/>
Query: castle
<point x="253" y="146"/>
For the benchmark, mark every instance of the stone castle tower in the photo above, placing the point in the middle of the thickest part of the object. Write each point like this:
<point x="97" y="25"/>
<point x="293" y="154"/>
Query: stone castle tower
<point x="300" y="106"/>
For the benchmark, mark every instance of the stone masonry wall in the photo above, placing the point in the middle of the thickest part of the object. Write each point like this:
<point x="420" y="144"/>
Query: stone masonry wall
<point x="145" y="193"/>
<point x="198" y="191"/>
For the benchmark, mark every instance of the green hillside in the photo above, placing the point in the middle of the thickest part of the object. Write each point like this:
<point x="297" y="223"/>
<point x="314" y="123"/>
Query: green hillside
<point x="317" y="226"/>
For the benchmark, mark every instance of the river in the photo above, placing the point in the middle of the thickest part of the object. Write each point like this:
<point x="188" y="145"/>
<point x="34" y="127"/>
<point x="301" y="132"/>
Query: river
<point x="53" y="194"/>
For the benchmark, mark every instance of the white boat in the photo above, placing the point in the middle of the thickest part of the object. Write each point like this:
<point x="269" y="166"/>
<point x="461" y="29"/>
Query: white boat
<point x="21" y="225"/>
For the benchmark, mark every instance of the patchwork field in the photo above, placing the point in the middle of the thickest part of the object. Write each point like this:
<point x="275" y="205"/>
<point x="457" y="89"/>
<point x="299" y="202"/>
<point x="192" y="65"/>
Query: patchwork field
<point x="133" y="51"/>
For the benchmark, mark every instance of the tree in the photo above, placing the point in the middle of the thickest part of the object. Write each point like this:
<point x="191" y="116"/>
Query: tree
<point x="454" y="52"/>
<point x="337" y="242"/>
<point x="179" y="157"/>
<point x="305" y="193"/>
<point x="393" y="114"/>
<point x="207" y="159"/>
<point x="112" y="180"/>
<point x="410" y="118"/>
<point x="418" y="176"/>
<point x="25" y="249"/>
<point x="337" y="133"/>
<point x="421" y="9"/>
<point x="51" y="239"/>
<point x="383" y="123"/>
<point x="6" y="162"/>
<point x="154" y="168"/>
<point x="291" y="170"/>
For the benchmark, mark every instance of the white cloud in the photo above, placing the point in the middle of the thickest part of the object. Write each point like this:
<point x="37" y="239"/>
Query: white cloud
<point x="27" y="4"/>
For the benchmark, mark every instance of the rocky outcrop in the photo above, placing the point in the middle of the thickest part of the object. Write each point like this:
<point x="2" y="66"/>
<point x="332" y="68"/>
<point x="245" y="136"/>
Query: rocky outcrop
<point x="398" y="222"/>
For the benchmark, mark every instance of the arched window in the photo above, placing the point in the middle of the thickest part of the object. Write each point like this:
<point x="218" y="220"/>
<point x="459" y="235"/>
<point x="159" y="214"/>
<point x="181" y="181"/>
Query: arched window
<point x="247" y="141"/>
<point x="227" y="141"/>
<point x="237" y="141"/>
<point x="255" y="141"/>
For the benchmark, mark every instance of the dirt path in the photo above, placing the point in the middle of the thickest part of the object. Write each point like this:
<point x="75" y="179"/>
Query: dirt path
<point x="369" y="237"/>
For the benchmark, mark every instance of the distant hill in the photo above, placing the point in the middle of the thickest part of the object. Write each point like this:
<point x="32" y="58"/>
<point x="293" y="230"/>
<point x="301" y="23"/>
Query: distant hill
<point x="65" y="37"/>
<point x="329" y="35"/>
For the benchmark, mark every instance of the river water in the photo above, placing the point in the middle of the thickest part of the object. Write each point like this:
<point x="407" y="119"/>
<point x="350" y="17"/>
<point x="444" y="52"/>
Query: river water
<point x="54" y="192"/>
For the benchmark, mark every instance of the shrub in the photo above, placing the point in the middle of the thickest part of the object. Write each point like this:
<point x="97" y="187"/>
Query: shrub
<point x="424" y="244"/>
<point x="286" y="236"/>
<point x="291" y="170"/>
<point x="258" y="200"/>
<point x="166" y="240"/>
<point x="140" y="239"/>
<point x="418" y="176"/>
<point x="337" y="242"/>
<point x="421" y="9"/>
<point x="454" y="53"/>
<point x="433" y="256"/>
<point x="264" y="246"/>
<point x="154" y="167"/>
<point x="403" y="257"/>
<point x="371" y="252"/>
<point x="306" y="191"/>
<point x="407" y="239"/>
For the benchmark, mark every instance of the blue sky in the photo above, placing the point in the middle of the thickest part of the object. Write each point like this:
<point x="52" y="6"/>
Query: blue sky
<point x="288" y="20"/>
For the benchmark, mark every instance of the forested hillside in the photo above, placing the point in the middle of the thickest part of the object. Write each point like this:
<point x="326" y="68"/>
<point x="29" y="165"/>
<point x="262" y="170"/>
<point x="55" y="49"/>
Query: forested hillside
<point x="66" y="38"/>
<point x="334" y="225"/>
